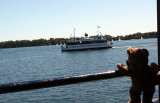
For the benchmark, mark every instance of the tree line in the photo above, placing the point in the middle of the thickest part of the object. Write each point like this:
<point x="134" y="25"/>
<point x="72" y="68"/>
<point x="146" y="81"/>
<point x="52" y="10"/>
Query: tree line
<point x="131" y="36"/>
<point x="54" y="41"/>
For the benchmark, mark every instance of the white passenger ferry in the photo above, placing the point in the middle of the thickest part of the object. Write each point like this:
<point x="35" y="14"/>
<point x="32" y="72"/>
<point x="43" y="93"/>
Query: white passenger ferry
<point x="86" y="43"/>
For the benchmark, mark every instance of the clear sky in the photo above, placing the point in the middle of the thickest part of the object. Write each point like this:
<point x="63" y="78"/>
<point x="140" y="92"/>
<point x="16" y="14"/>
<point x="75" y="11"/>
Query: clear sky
<point x="35" y="19"/>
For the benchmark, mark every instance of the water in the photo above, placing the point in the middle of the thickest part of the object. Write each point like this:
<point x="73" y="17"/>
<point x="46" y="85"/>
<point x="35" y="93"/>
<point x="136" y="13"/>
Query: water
<point x="43" y="62"/>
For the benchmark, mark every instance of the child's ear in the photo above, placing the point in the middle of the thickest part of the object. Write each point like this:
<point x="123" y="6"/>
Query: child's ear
<point x="130" y="51"/>
<point x="146" y="52"/>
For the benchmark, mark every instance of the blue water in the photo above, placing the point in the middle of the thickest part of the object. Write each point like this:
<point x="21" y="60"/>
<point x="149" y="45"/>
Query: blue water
<point x="43" y="62"/>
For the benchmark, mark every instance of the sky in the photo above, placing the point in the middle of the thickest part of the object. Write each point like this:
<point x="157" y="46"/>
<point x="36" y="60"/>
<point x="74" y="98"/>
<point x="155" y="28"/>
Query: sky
<point x="35" y="19"/>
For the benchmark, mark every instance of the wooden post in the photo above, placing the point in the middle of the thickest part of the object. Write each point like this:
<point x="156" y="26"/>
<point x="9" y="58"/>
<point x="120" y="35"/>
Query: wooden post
<point x="158" y="36"/>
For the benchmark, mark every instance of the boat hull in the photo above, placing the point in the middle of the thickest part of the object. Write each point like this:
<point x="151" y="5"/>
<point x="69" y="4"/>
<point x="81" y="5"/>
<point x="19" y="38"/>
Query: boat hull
<point x="86" y="48"/>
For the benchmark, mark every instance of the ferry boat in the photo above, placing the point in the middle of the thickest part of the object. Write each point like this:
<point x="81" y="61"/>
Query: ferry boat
<point x="86" y="43"/>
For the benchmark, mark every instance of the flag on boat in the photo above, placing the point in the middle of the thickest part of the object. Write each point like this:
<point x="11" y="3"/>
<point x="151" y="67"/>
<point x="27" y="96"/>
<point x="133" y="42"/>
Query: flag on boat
<point x="98" y="26"/>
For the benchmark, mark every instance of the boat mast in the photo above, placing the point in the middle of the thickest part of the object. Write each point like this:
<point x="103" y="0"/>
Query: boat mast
<point x="74" y="33"/>
<point x="158" y="37"/>
<point x="97" y="30"/>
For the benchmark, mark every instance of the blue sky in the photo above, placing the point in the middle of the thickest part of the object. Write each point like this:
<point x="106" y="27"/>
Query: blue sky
<point x="35" y="19"/>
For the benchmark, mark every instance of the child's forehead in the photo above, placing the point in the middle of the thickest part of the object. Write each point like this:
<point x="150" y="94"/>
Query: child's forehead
<point x="132" y="51"/>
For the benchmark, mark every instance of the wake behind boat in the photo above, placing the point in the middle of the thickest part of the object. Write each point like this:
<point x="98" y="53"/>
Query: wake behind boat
<point x="86" y="43"/>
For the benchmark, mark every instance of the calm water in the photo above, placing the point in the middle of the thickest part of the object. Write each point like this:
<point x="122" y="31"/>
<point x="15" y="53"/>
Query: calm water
<point x="43" y="62"/>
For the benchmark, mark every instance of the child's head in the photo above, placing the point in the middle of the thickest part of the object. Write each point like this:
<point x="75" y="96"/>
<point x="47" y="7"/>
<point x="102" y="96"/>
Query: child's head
<point x="137" y="56"/>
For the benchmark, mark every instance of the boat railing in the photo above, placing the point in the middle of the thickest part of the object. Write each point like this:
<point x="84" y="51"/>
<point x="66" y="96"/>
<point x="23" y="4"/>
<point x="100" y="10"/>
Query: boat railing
<point x="53" y="82"/>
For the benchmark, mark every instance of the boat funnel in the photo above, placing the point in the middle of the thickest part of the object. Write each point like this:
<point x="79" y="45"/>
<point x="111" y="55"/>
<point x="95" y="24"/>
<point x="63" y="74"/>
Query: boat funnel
<point x="86" y="35"/>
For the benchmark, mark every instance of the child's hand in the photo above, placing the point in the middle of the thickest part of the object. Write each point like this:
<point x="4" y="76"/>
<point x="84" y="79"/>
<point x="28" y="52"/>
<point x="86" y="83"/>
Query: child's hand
<point x="158" y="73"/>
